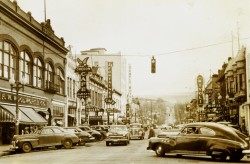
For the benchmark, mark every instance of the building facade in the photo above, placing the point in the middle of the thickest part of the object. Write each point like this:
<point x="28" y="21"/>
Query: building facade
<point x="30" y="52"/>
<point x="99" y="58"/>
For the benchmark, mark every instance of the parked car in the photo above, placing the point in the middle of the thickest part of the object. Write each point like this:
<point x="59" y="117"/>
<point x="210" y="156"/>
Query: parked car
<point x="100" y="129"/>
<point x="118" y="134"/>
<point x="207" y="138"/>
<point x="46" y="137"/>
<point x="136" y="131"/>
<point x="82" y="135"/>
<point x="97" y="135"/>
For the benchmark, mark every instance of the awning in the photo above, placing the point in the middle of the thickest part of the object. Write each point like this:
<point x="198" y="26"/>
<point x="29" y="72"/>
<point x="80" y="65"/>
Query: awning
<point x="31" y="113"/>
<point x="71" y="115"/>
<point x="6" y="116"/>
<point x="22" y="117"/>
<point x="26" y="115"/>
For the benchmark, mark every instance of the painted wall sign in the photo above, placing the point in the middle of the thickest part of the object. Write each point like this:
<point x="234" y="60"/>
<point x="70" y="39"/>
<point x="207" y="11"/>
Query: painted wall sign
<point x="6" y="97"/>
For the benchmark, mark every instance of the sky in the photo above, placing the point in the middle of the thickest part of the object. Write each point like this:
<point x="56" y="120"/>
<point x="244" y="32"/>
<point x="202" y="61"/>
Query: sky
<point x="187" y="37"/>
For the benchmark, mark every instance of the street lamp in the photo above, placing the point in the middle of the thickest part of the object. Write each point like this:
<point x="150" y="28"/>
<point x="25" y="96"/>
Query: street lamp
<point x="17" y="85"/>
<point x="220" y="107"/>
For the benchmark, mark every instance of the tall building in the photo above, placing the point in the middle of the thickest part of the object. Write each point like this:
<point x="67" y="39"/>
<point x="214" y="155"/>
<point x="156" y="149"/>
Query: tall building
<point x="99" y="57"/>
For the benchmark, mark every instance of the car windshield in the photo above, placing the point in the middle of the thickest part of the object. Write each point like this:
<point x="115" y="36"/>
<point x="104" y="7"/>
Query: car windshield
<point x="70" y="130"/>
<point x="118" y="128"/>
<point x="135" y="126"/>
<point x="60" y="128"/>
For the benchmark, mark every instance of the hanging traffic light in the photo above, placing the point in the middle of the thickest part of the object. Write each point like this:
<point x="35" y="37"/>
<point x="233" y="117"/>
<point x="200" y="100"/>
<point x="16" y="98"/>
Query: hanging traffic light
<point x="153" y="63"/>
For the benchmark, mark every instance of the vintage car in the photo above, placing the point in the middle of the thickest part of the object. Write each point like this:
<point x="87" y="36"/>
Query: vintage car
<point x="117" y="134"/>
<point x="82" y="135"/>
<point x="136" y="131"/>
<point x="100" y="128"/>
<point x="97" y="135"/>
<point x="203" y="138"/>
<point x="45" y="137"/>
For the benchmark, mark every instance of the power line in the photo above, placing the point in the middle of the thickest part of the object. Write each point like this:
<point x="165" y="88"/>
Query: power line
<point x="160" y="54"/>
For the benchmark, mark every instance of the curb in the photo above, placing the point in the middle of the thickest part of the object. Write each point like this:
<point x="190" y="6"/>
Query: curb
<point x="5" y="153"/>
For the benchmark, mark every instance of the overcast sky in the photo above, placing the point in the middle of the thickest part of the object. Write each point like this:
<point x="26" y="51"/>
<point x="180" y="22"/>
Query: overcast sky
<point x="187" y="37"/>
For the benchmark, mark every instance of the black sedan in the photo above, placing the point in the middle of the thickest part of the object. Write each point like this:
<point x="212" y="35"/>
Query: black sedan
<point x="82" y="135"/>
<point x="203" y="138"/>
<point x="97" y="135"/>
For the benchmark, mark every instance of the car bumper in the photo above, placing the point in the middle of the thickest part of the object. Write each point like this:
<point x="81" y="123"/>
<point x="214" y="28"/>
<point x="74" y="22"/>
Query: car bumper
<point x="135" y="136"/>
<point x="13" y="146"/>
<point x="91" y="139"/>
<point x="116" y="140"/>
<point x="246" y="152"/>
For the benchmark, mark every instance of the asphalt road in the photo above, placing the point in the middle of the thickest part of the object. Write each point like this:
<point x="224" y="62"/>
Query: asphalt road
<point x="99" y="153"/>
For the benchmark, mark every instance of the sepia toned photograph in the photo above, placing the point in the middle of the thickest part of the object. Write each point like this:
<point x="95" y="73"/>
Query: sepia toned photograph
<point x="124" y="81"/>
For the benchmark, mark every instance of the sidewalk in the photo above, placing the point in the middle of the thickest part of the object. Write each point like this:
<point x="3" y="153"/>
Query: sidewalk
<point x="4" y="150"/>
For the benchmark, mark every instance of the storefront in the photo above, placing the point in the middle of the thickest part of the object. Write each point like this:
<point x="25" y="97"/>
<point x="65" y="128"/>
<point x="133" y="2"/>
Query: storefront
<point x="28" y="107"/>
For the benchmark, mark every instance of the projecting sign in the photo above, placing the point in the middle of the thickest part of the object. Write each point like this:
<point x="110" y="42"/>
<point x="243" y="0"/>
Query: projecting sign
<point x="83" y="69"/>
<point x="109" y="99"/>
<point x="200" y="94"/>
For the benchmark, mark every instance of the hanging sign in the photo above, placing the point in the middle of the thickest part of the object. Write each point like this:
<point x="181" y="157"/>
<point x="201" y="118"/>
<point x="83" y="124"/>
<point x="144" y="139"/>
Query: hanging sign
<point x="83" y="69"/>
<point x="200" y="94"/>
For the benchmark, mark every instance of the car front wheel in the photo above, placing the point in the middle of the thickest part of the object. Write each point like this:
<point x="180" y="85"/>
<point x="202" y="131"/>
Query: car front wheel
<point x="67" y="143"/>
<point x="159" y="150"/>
<point x="221" y="157"/>
<point x="236" y="158"/>
<point x="26" y="147"/>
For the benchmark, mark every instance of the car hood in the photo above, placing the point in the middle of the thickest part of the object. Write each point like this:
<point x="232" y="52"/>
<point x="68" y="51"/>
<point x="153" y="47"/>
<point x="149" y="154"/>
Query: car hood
<point x="118" y="132"/>
<point x="25" y="136"/>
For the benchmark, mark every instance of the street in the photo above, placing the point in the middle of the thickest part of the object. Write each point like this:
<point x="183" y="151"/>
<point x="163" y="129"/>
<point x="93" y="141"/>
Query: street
<point x="98" y="152"/>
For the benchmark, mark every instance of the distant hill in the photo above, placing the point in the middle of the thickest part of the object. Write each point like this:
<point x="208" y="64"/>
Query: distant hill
<point x="182" y="97"/>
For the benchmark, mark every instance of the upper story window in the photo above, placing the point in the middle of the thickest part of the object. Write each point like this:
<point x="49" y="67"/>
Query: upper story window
<point x="7" y="59"/>
<point x="25" y="66"/>
<point x="60" y="80"/>
<point x="48" y="73"/>
<point x="38" y="76"/>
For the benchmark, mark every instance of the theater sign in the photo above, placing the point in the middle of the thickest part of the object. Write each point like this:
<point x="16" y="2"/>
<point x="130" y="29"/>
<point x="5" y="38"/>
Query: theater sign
<point x="200" y="92"/>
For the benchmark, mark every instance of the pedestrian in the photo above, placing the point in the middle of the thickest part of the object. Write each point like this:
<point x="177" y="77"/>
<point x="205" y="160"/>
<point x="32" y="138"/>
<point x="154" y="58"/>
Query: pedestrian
<point x="26" y="130"/>
<point x="151" y="132"/>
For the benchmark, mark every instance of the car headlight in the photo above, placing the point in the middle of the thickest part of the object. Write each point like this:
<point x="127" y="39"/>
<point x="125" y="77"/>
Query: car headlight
<point x="125" y="135"/>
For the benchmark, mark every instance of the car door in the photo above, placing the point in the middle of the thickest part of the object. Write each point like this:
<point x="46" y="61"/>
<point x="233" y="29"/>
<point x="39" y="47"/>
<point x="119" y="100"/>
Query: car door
<point x="46" y="137"/>
<point x="206" y="135"/>
<point x="187" y="141"/>
<point x="58" y="136"/>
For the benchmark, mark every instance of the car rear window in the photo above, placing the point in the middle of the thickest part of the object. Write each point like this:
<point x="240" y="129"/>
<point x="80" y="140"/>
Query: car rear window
<point x="207" y="131"/>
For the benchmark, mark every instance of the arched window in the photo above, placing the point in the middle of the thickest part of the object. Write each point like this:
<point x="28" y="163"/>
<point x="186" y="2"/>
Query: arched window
<point x="38" y="74"/>
<point x="7" y="59"/>
<point x="60" y="81"/>
<point x="48" y="73"/>
<point x="25" y="66"/>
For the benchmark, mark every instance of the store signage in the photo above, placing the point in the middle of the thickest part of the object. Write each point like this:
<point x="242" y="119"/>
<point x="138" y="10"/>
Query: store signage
<point x="109" y="99"/>
<point x="95" y="117"/>
<point x="83" y="69"/>
<point x="6" y="97"/>
<point x="200" y="92"/>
